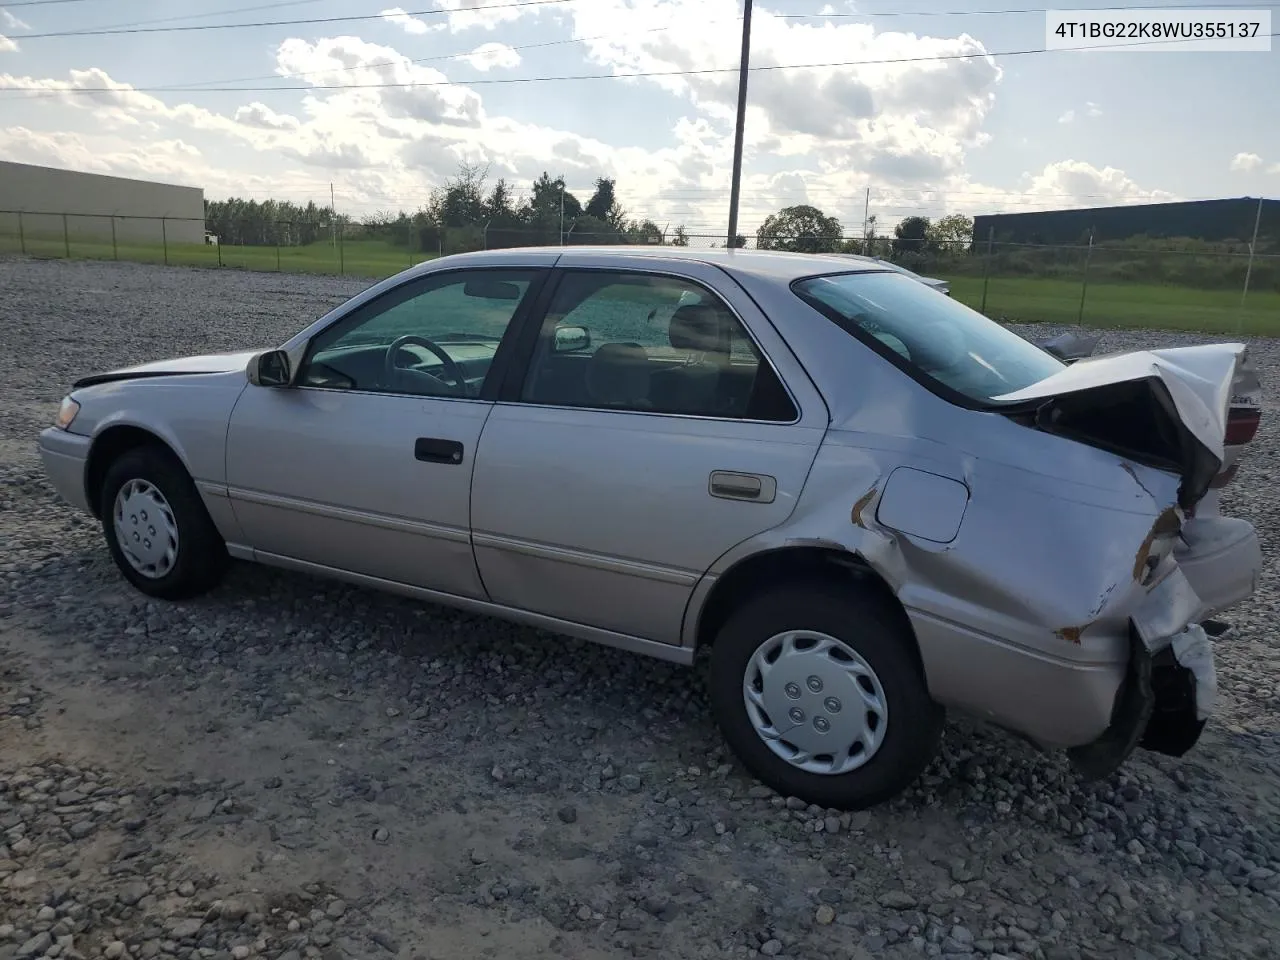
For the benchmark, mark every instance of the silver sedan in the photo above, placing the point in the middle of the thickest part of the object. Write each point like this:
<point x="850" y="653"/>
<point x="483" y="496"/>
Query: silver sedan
<point x="867" y="502"/>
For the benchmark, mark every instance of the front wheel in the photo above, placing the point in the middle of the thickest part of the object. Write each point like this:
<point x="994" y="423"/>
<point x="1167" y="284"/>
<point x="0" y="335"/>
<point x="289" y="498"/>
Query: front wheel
<point x="156" y="527"/>
<point x="817" y="691"/>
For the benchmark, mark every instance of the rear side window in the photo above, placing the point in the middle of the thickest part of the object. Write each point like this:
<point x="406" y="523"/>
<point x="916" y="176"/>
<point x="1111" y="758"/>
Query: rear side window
<point x="651" y="343"/>
<point x="932" y="334"/>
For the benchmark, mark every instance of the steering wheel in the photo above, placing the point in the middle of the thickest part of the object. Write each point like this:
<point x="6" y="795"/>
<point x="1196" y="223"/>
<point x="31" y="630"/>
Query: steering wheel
<point x="451" y="368"/>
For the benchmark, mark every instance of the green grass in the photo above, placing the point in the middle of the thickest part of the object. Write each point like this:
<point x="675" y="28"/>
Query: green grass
<point x="1115" y="305"/>
<point x="358" y="258"/>
<point x="1120" y="305"/>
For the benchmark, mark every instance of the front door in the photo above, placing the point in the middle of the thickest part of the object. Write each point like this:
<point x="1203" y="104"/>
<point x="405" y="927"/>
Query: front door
<point x="626" y="463"/>
<point x="365" y="464"/>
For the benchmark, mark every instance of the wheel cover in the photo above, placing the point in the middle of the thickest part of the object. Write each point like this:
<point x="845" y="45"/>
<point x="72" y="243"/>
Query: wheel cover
<point x="145" y="529"/>
<point x="815" y="702"/>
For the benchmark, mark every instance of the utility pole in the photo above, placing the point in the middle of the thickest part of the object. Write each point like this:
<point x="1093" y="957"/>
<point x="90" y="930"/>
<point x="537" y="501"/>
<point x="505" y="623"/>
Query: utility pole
<point x="1248" y="271"/>
<point x="866" y="210"/>
<point x="736" y="186"/>
<point x="333" y="218"/>
<point x="562" y="209"/>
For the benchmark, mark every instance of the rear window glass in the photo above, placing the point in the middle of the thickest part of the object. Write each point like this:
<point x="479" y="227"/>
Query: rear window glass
<point x="933" y="333"/>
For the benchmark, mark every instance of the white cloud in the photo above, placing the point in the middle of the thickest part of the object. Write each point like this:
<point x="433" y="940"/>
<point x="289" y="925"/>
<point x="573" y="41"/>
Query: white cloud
<point x="1077" y="183"/>
<point x="7" y="45"/>
<point x="1091" y="109"/>
<point x="1246" y="162"/>
<point x="463" y="16"/>
<point x="458" y="15"/>
<point x="11" y="22"/>
<point x="260" y="115"/>
<point x="493" y="56"/>
<point x="816" y="136"/>
<point x="900" y="115"/>
<point x="413" y="25"/>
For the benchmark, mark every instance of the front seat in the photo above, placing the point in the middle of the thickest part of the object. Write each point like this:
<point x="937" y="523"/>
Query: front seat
<point x="618" y="376"/>
<point x="692" y="386"/>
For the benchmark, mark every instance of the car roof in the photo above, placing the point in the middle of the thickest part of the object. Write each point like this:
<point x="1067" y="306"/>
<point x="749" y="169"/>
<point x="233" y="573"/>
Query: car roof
<point x="769" y="264"/>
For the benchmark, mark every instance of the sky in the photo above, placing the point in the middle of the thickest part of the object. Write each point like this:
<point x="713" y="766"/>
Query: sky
<point x="933" y="111"/>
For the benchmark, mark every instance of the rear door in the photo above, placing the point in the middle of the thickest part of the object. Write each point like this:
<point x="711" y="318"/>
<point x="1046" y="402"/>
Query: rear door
<point x="615" y="469"/>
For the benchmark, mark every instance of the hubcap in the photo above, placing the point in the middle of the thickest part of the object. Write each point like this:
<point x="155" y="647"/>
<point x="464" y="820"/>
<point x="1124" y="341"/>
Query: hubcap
<point x="815" y="702"/>
<point x="145" y="529"/>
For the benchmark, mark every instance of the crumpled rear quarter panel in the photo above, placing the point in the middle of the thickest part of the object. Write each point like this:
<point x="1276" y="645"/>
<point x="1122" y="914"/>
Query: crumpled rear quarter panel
<point x="1023" y="616"/>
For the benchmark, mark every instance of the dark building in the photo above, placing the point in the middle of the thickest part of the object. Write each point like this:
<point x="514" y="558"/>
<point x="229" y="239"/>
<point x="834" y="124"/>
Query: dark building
<point x="1211" y="220"/>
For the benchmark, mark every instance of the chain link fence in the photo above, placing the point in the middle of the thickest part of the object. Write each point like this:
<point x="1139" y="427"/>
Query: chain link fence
<point x="1171" y="284"/>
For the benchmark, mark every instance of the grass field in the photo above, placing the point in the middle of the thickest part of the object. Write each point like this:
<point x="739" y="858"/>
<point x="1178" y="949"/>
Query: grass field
<point x="1027" y="299"/>
<point x="359" y="258"/>
<point x="1124" y="305"/>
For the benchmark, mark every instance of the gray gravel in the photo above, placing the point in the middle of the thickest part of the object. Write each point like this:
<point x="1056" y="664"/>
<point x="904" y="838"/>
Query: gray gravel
<point x="295" y="769"/>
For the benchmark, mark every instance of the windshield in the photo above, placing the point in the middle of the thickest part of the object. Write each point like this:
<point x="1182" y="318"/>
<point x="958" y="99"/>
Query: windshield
<point x="942" y="338"/>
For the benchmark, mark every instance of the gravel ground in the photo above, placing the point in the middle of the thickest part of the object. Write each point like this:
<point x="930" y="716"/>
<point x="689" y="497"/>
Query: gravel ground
<point x="290" y="768"/>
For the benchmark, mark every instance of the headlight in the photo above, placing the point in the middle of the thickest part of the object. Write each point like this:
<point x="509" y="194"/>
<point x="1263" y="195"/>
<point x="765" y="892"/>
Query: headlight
<point x="66" y="413"/>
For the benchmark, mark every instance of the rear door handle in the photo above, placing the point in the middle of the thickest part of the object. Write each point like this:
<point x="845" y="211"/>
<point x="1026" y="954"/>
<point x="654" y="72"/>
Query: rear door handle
<point x="436" y="450"/>
<point x="755" y="487"/>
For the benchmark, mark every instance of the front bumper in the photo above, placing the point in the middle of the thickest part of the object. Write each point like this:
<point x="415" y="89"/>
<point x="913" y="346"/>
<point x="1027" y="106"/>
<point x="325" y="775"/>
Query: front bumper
<point x="65" y="456"/>
<point x="1222" y="560"/>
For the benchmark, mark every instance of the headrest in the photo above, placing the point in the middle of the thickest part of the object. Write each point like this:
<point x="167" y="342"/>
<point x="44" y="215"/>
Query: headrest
<point x="618" y="373"/>
<point x="697" y="326"/>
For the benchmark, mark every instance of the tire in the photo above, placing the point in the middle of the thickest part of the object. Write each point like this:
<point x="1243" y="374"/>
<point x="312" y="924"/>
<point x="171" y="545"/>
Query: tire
<point x="197" y="556"/>
<point x="910" y="724"/>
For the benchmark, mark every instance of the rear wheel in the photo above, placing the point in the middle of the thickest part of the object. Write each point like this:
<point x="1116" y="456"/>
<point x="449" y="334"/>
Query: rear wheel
<point x="818" y="692"/>
<point x="157" y="529"/>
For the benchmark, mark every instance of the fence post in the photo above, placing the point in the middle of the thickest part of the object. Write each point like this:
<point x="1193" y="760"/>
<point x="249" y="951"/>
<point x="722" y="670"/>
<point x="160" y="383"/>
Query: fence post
<point x="1084" y="286"/>
<point x="164" y="240"/>
<point x="218" y="244"/>
<point x="986" y="269"/>
<point x="22" y="235"/>
<point x="115" y="250"/>
<point x="66" y="237"/>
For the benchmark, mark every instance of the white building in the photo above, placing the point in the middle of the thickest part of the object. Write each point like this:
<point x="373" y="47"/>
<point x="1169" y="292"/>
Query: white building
<point x="43" y="202"/>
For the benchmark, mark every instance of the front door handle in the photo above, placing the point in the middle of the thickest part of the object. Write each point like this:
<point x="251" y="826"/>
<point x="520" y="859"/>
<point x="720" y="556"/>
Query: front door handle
<point x="436" y="450"/>
<point x="755" y="487"/>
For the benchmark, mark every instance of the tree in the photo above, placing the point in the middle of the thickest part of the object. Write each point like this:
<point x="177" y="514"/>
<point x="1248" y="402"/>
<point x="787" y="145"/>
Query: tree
<point x="644" y="231"/>
<point x="953" y="232"/>
<point x="461" y="203"/>
<point x="603" y="204"/>
<point x="911" y="236"/>
<point x="589" y="229"/>
<point x="500" y="206"/>
<point x="800" y="229"/>
<point x="681" y="238"/>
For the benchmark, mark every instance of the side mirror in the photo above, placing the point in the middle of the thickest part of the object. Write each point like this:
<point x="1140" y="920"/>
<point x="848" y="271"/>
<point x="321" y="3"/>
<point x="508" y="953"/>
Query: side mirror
<point x="269" y="369"/>
<point x="571" y="339"/>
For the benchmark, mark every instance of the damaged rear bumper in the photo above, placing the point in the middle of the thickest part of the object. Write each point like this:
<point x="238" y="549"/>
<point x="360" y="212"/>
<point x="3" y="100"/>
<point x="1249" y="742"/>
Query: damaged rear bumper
<point x="1170" y="687"/>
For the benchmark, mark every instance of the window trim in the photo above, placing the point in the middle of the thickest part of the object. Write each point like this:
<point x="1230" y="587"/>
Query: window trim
<point x="503" y="357"/>
<point x="522" y="365"/>
<point x="932" y="384"/>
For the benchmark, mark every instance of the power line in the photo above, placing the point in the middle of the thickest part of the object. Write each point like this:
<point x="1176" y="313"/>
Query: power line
<point x="436" y="58"/>
<point x="555" y="43"/>
<point x="40" y="3"/>
<point x="492" y="81"/>
<point x="135" y="29"/>
<point x="110" y="31"/>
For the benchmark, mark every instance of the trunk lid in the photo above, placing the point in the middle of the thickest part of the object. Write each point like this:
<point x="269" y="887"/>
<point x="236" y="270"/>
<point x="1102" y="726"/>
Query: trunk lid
<point x="1167" y="408"/>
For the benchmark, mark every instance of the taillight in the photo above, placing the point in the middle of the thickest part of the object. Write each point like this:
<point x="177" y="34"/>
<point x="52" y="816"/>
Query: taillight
<point x="1242" y="425"/>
